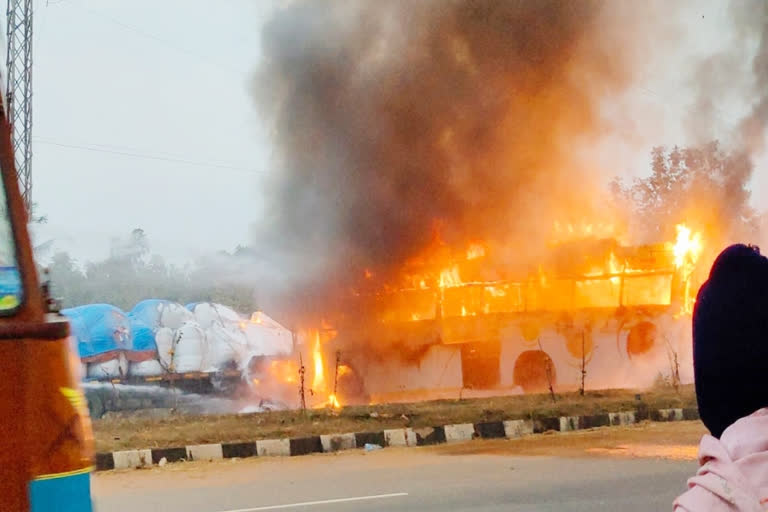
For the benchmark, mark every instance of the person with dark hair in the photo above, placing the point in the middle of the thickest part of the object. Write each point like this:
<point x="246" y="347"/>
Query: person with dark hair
<point x="730" y="360"/>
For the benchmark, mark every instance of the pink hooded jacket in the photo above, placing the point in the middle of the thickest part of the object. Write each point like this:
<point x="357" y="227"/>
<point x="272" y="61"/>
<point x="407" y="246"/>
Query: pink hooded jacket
<point x="734" y="470"/>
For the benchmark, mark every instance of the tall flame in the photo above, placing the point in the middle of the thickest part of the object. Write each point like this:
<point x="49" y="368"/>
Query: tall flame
<point x="686" y="251"/>
<point x="318" y="380"/>
<point x="687" y="246"/>
<point x="476" y="250"/>
<point x="319" y="384"/>
<point x="450" y="277"/>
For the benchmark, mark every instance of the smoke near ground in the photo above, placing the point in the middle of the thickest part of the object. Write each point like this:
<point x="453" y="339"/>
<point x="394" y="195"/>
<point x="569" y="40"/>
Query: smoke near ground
<point x="390" y="117"/>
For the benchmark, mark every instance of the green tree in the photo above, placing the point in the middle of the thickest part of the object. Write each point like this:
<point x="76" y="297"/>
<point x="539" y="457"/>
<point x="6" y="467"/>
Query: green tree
<point x="68" y="281"/>
<point x="703" y="186"/>
<point x="131" y="274"/>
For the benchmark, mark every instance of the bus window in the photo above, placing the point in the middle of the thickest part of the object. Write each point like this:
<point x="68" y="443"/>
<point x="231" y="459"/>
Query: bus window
<point x="10" y="281"/>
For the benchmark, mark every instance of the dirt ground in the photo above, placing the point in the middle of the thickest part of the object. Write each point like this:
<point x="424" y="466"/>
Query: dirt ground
<point x="675" y="441"/>
<point x="179" y="430"/>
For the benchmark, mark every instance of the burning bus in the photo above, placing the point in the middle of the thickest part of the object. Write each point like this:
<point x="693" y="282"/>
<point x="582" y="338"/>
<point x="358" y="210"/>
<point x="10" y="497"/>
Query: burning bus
<point x="592" y="313"/>
<point x="506" y="133"/>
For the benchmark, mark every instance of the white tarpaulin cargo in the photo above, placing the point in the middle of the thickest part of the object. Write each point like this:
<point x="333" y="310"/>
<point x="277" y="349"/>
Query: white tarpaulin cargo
<point x="164" y="340"/>
<point x="226" y="345"/>
<point x="202" y="337"/>
<point x="207" y="312"/>
<point x="148" y="368"/>
<point x="112" y="369"/>
<point x="266" y="337"/>
<point x="190" y="348"/>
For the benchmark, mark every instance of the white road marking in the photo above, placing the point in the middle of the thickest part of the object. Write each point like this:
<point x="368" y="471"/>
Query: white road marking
<point x="321" y="502"/>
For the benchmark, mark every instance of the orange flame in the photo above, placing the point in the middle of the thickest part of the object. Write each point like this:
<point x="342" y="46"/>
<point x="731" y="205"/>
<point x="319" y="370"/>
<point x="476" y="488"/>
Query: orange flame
<point x="450" y="277"/>
<point x="687" y="247"/>
<point x="564" y="231"/>
<point x="318" y="380"/>
<point x="687" y="250"/>
<point x="284" y="371"/>
<point x="476" y="250"/>
<point x="591" y="268"/>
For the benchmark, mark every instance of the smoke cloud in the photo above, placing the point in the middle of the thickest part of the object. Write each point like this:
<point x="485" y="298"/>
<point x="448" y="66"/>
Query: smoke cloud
<point x="752" y="18"/>
<point x="392" y="118"/>
<point x="736" y="73"/>
<point x="730" y="88"/>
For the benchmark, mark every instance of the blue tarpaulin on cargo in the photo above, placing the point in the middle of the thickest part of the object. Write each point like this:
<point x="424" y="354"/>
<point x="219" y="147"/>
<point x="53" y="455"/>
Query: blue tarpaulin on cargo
<point x="148" y="312"/>
<point x="100" y="329"/>
<point x="143" y="346"/>
<point x="143" y="336"/>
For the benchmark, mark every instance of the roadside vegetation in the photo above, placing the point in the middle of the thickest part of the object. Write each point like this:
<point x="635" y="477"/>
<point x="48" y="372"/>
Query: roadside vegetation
<point x="134" y="431"/>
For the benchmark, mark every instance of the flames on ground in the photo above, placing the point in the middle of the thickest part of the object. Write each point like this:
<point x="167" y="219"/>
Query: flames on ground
<point x="325" y="380"/>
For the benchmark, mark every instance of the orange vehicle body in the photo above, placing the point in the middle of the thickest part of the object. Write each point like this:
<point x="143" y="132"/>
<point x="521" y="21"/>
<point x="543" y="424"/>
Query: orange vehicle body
<point x="45" y="432"/>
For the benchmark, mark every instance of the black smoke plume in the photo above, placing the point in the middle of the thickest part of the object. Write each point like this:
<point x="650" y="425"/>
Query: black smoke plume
<point x="393" y="117"/>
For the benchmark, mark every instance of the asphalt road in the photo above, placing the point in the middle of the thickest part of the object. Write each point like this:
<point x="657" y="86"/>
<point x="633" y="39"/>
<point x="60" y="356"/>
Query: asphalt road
<point x="416" y="479"/>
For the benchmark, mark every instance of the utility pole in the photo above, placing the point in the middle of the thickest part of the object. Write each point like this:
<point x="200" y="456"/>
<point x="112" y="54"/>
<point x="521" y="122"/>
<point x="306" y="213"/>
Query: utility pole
<point x="336" y="375"/>
<point x="583" y="363"/>
<point x="302" y="371"/>
<point x="18" y="90"/>
<point x="547" y="371"/>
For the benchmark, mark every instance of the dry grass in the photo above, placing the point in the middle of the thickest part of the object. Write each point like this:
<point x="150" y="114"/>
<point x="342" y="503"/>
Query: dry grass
<point x="123" y="433"/>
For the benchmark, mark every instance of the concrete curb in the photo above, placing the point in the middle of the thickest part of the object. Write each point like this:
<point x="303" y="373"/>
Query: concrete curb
<point x="424" y="436"/>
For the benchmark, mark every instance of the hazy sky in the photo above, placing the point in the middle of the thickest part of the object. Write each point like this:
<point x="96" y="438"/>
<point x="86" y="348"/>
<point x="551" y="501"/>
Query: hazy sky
<point x="143" y="118"/>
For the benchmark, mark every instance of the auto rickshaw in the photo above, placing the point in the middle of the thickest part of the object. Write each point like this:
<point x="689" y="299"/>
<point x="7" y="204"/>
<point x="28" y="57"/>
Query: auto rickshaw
<point x="45" y="432"/>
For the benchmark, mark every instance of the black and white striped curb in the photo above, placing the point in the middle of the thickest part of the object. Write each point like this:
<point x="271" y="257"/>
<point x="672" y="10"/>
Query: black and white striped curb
<point x="423" y="436"/>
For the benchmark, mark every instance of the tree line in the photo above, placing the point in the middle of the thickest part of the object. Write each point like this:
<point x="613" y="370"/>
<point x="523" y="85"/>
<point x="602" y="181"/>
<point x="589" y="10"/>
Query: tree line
<point x="131" y="273"/>
<point x="705" y="186"/>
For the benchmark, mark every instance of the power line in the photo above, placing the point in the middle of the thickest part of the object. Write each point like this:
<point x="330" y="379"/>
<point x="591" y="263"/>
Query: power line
<point x="149" y="35"/>
<point x="118" y="148"/>
<point x="146" y="156"/>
